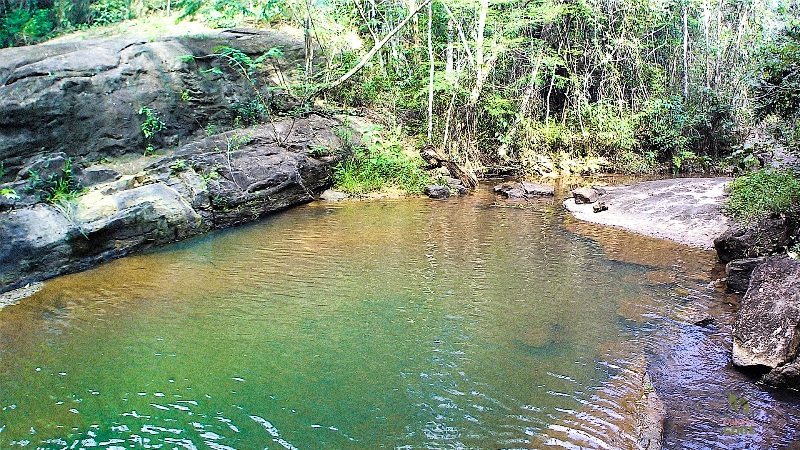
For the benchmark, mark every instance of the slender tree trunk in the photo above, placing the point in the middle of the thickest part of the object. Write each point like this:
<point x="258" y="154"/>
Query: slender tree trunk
<point x="430" y="72"/>
<point x="449" y="52"/>
<point x="719" y="47"/>
<point x="706" y="25"/>
<point x="480" y="64"/>
<point x="685" y="13"/>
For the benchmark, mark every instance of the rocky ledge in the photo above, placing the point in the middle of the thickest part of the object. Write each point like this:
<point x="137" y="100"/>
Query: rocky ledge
<point x="216" y="182"/>
<point x="685" y="210"/>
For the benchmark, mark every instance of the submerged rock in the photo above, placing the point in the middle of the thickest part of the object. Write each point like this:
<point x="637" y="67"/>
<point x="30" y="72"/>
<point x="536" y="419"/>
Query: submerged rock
<point x="762" y="237"/>
<point x="766" y="331"/>
<point x="524" y="189"/>
<point x="330" y="195"/>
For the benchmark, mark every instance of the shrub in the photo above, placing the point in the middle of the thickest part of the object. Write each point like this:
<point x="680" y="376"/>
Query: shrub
<point x="767" y="191"/>
<point x="380" y="164"/>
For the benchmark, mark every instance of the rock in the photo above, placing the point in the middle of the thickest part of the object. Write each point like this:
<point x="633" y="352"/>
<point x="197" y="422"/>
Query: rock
<point x="599" y="207"/>
<point x="511" y="190"/>
<point x="43" y="167"/>
<point x="685" y="210"/>
<point x="538" y="189"/>
<point x="93" y="176"/>
<point x="704" y="321"/>
<point x="785" y="376"/>
<point x="456" y="186"/>
<point x="584" y="195"/>
<point x="738" y="273"/>
<point x="217" y="188"/>
<point x="330" y="195"/>
<point x="524" y="189"/>
<point x="81" y="99"/>
<point x="766" y="331"/>
<point x="760" y="238"/>
<point x="436" y="191"/>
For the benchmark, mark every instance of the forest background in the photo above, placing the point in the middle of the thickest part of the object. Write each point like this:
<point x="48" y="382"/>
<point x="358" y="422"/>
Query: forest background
<point x="539" y="87"/>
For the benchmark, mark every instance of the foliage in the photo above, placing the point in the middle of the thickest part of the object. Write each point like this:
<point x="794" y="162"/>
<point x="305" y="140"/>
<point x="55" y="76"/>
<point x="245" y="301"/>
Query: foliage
<point x="178" y="166"/>
<point x="23" y="27"/>
<point x="381" y="163"/>
<point x="767" y="191"/>
<point x="59" y="188"/>
<point x="776" y="89"/>
<point x="9" y="193"/>
<point x="107" y="12"/>
<point x="151" y="124"/>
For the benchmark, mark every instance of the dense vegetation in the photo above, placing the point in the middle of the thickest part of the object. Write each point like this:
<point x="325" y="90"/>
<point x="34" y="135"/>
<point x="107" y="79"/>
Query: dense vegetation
<point x="762" y="193"/>
<point x="544" y="87"/>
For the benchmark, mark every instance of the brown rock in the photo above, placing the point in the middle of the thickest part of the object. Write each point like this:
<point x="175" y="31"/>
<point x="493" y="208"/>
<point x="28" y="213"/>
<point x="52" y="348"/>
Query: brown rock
<point x="584" y="195"/>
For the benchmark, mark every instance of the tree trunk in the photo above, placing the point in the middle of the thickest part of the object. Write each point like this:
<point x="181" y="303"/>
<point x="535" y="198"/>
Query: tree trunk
<point x="430" y="72"/>
<point x="685" y="13"/>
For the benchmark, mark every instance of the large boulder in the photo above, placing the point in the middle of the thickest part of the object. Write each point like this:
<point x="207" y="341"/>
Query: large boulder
<point x="215" y="182"/>
<point x="766" y="331"/>
<point x="762" y="237"/>
<point x="83" y="98"/>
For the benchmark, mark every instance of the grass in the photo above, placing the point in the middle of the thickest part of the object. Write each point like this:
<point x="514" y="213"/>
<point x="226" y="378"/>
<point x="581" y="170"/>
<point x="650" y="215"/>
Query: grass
<point x="378" y="169"/>
<point x="761" y="193"/>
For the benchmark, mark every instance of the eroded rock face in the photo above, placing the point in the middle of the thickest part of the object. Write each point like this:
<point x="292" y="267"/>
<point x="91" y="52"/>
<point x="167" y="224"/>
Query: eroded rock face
<point x="761" y="238"/>
<point x="766" y="331"/>
<point x="82" y="98"/>
<point x="215" y="182"/>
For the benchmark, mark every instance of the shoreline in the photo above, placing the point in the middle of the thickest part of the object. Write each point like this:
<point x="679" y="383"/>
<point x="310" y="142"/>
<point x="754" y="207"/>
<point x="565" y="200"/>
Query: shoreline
<point x="684" y="210"/>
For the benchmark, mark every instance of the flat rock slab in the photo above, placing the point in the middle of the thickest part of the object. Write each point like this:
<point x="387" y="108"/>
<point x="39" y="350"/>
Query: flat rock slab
<point x="685" y="210"/>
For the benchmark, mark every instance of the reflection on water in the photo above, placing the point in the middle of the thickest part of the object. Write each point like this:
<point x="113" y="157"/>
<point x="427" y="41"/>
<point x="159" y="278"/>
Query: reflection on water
<point x="391" y="324"/>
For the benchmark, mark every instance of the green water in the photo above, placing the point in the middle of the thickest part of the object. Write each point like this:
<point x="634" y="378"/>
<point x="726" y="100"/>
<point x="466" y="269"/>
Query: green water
<point x="362" y="325"/>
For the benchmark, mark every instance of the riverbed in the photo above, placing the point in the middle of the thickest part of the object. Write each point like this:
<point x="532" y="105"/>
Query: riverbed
<point x="464" y="323"/>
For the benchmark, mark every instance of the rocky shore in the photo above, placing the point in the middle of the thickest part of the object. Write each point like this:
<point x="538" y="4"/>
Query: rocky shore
<point x="766" y="330"/>
<point x="78" y="187"/>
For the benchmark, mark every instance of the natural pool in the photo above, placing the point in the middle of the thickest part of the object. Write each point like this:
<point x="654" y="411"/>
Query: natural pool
<point x="385" y="324"/>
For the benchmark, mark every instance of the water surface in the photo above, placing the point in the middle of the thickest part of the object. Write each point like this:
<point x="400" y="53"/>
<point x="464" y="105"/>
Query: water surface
<point x="464" y="323"/>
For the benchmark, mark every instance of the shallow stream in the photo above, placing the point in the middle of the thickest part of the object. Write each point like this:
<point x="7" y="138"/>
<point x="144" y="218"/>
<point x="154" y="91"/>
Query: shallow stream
<point x="466" y="323"/>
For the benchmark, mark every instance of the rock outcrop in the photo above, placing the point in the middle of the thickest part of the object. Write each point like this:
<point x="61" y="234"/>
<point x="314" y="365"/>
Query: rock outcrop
<point x="766" y="331"/>
<point x="685" y="210"/>
<point x="83" y="98"/>
<point x="213" y="183"/>
<point x="763" y="237"/>
<point x="585" y="195"/>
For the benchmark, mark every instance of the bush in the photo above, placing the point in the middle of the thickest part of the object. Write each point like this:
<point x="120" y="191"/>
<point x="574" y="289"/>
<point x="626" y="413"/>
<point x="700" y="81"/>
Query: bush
<point x="761" y="193"/>
<point x="107" y="12"/>
<point x="379" y="165"/>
